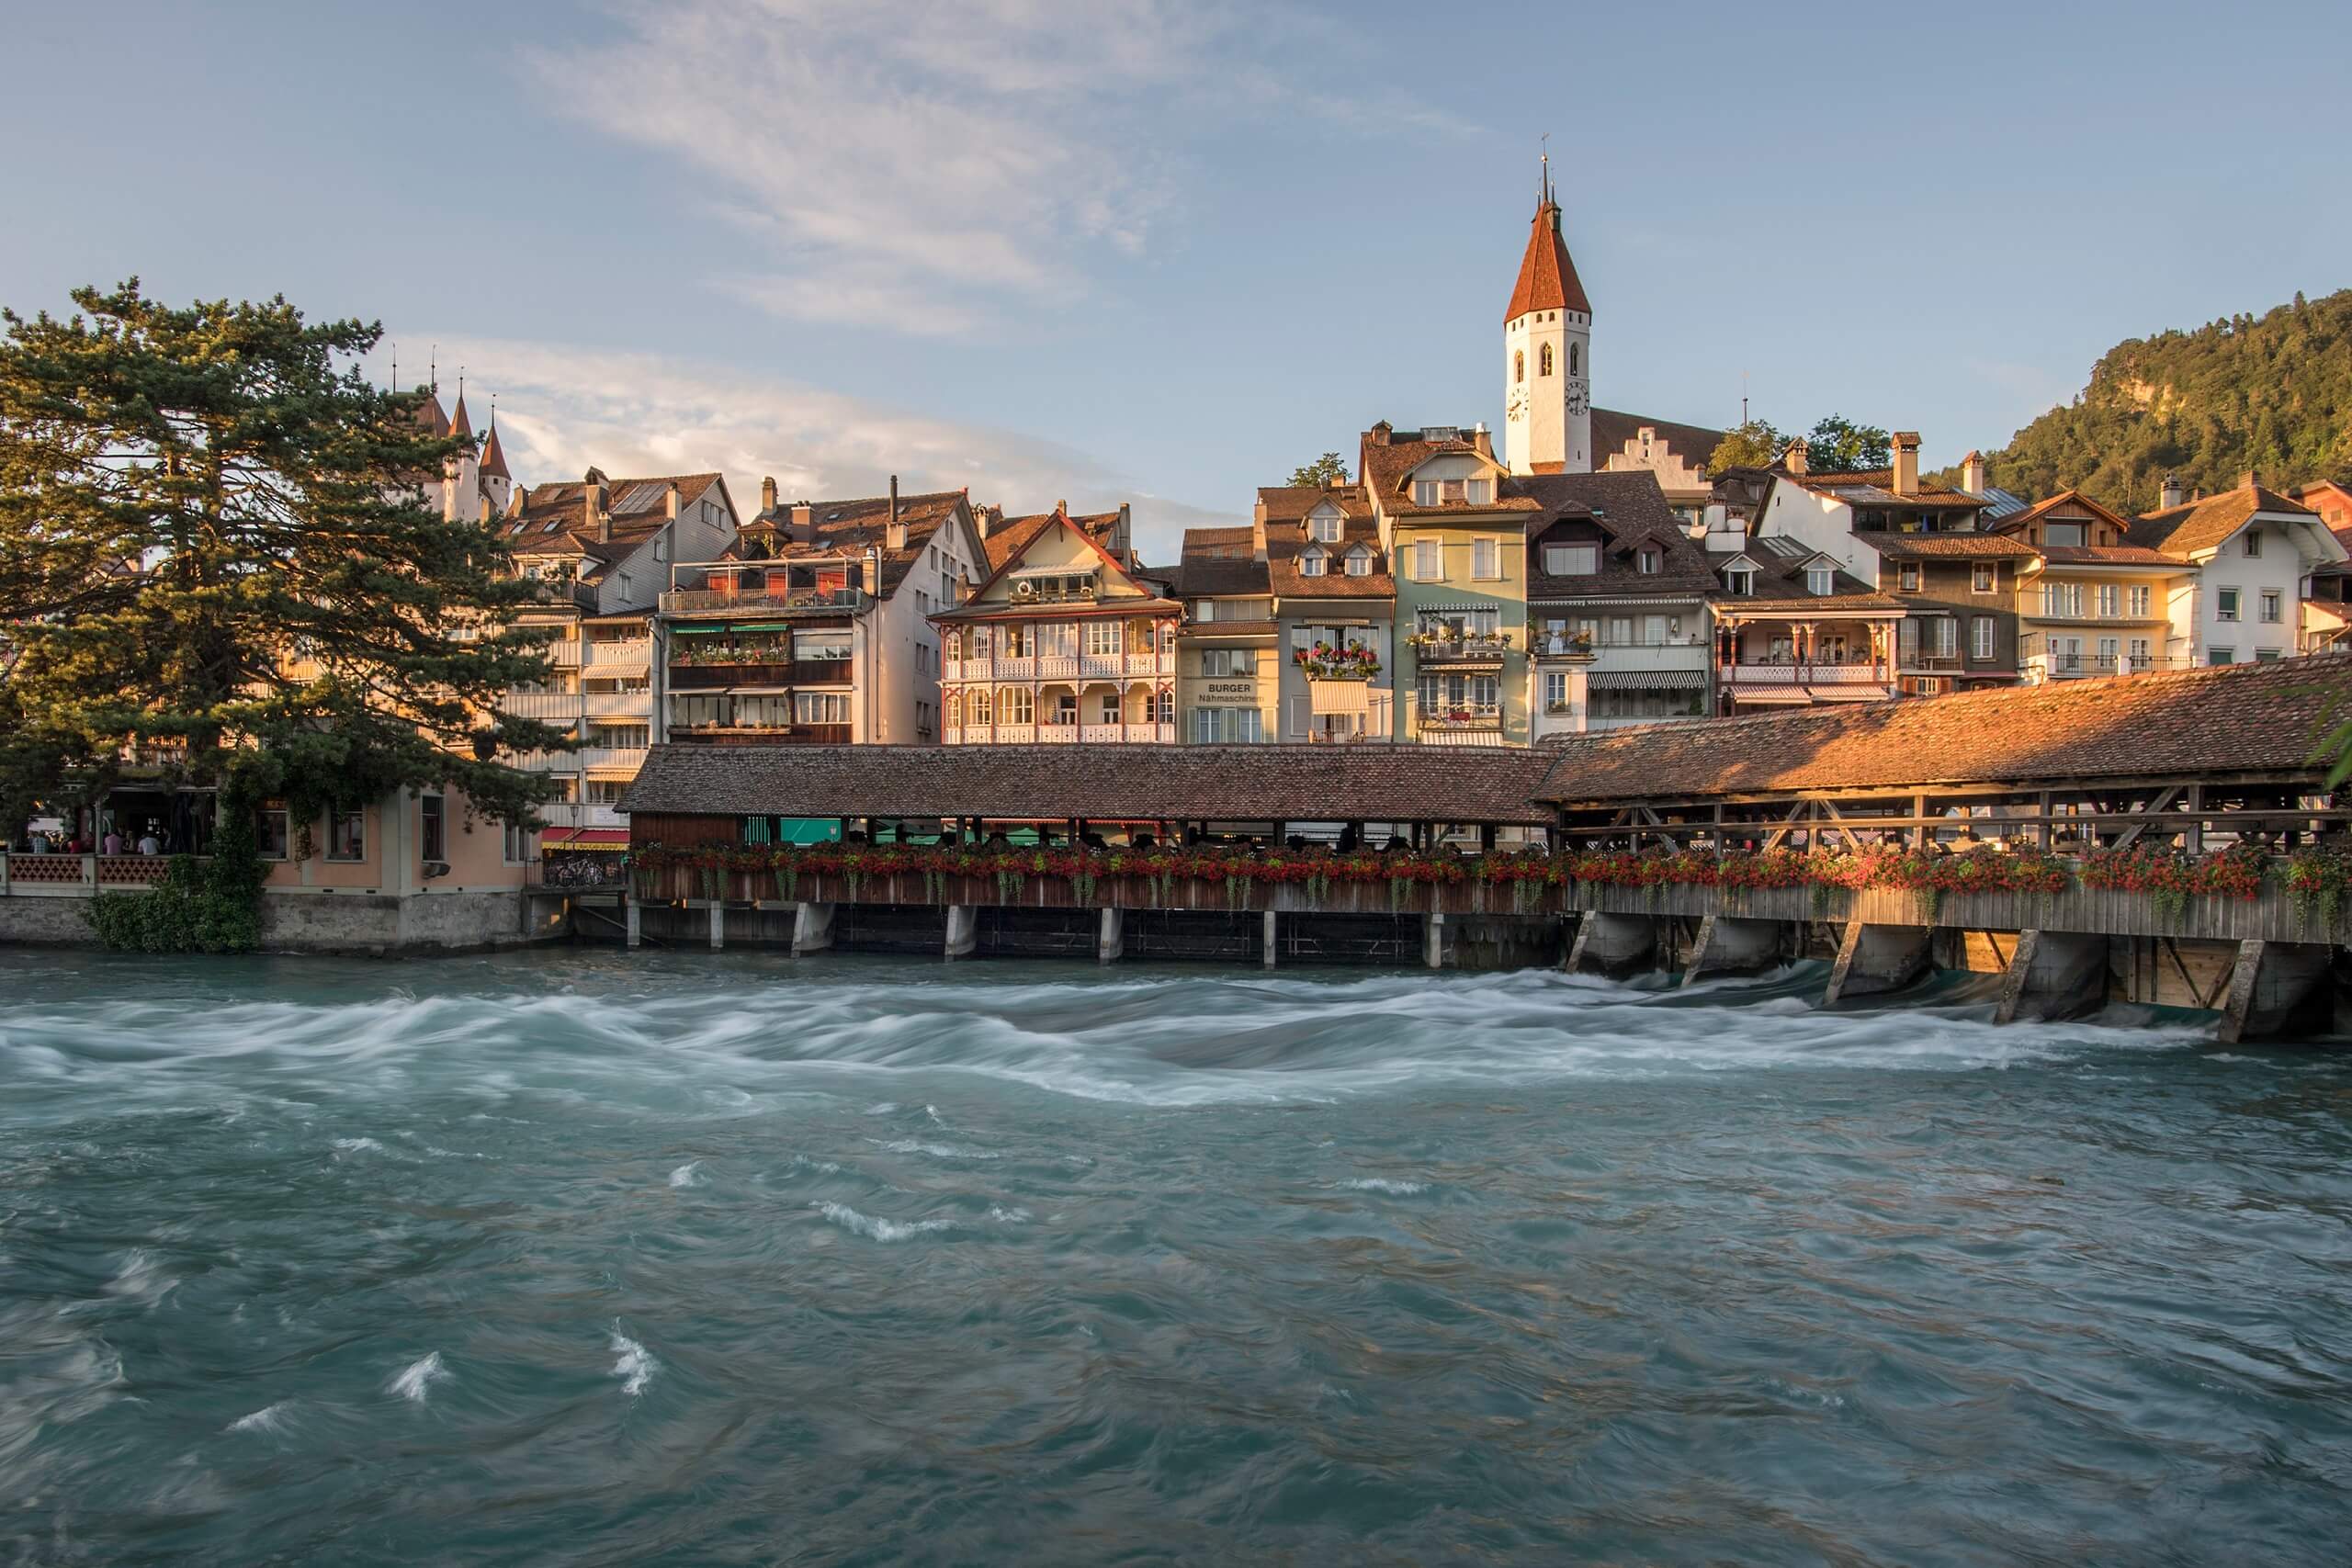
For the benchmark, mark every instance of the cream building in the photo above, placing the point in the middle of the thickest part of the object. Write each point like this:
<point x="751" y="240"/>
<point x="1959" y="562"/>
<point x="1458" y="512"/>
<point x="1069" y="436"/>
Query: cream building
<point x="2254" y="552"/>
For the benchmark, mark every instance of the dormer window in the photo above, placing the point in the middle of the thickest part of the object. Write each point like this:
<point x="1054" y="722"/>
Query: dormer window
<point x="1323" y="527"/>
<point x="1360" y="562"/>
<point x="1740" y="581"/>
<point x="1479" y="492"/>
<point x="1818" y="579"/>
<point x="1648" y="562"/>
<point x="1310" y="561"/>
<point x="1571" y="560"/>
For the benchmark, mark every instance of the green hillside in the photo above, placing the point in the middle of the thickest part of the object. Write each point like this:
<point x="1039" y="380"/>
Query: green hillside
<point x="2272" y="393"/>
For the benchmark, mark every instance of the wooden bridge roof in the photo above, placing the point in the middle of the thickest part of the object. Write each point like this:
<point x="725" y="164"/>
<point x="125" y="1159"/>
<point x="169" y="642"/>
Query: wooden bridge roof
<point x="1354" y="783"/>
<point x="2211" y="724"/>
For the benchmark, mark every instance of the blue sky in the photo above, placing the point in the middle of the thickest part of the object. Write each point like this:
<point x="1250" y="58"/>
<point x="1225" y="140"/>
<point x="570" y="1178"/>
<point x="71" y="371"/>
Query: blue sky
<point x="1120" y="249"/>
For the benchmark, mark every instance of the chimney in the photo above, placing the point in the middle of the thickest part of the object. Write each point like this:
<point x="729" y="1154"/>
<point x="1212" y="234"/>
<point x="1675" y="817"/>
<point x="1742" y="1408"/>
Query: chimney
<point x="592" y="501"/>
<point x="1483" y="439"/>
<point x="1794" y="459"/>
<point x="1906" y="462"/>
<point x="2249" y="479"/>
<point x="670" y="501"/>
<point x="894" y="537"/>
<point x="1972" y="473"/>
<point x="2170" y="495"/>
<point x="767" y="495"/>
<point x="1379" y="434"/>
<point x="803" y="527"/>
<point x="1258" y="538"/>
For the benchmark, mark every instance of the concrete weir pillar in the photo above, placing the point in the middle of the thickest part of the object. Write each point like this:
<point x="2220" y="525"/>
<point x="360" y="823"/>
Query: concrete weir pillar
<point x="1614" y="945"/>
<point x="634" y="916"/>
<point x="2278" y="989"/>
<point x="963" y="930"/>
<point x="1438" y="949"/>
<point x="1111" y="937"/>
<point x="1729" y="944"/>
<point x="1875" y="959"/>
<point x="1268" y="946"/>
<point x="812" y="928"/>
<point x="2054" y="975"/>
<point x="718" y="925"/>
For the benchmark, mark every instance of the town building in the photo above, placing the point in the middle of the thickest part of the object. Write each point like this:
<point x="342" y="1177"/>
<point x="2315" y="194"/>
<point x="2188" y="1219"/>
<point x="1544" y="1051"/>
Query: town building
<point x="1793" y="627"/>
<point x="815" y="624"/>
<point x="1547" y="354"/>
<point x="1063" y="640"/>
<point x="1959" y="594"/>
<point x="1229" y="674"/>
<point x="2094" y="603"/>
<point x="1335" y="612"/>
<point x="2256" y="552"/>
<point x="2327" y="608"/>
<point x="1676" y="455"/>
<point x="1619" y="630"/>
<point x="601" y="550"/>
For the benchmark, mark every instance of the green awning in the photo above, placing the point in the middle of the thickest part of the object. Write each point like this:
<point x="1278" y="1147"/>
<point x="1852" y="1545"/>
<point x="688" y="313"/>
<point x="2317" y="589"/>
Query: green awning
<point x="809" y="829"/>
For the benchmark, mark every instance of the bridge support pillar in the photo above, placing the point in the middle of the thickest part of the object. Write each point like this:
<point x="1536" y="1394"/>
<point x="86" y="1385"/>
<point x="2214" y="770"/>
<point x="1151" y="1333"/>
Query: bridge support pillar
<point x="963" y="930"/>
<point x="718" y="925"/>
<point x="1111" y="937"/>
<point x="1875" y="959"/>
<point x="2054" y="975"/>
<point x="1730" y="945"/>
<point x="1267" y="947"/>
<point x="1614" y="945"/>
<point x="635" y="926"/>
<point x="812" y="928"/>
<point x="1437" y="941"/>
<point x="2278" y="989"/>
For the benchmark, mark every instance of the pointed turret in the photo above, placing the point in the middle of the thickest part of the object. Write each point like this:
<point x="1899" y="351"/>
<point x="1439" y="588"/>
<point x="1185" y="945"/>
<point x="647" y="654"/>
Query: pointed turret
<point x="494" y="456"/>
<point x="1547" y="278"/>
<point x="460" y="424"/>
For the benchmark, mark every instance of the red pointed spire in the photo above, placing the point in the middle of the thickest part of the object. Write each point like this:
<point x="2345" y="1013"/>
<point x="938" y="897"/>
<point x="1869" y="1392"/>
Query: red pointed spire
<point x="1547" y="278"/>
<point x="494" y="456"/>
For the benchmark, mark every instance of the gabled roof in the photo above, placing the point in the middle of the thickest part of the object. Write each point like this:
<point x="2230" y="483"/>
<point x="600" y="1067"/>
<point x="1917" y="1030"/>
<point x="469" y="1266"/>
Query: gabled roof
<point x="2200" y="526"/>
<point x="1612" y="429"/>
<point x="1091" y="530"/>
<point x="1217" y="565"/>
<point x="2011" y="522"/>
<point x="1387" y="469"/>
<point x="1781" y="564"/>
<point x="1947" y="546"/>
<point x="1547" y="278"/>
<point x="2112" y="555"/>
<point x="1012" y="536"/>
<point x="638" y="508"/>
<point x="1630" y="510"/>
<point x="855" y="527"/>
<point x="1286" y="509"/>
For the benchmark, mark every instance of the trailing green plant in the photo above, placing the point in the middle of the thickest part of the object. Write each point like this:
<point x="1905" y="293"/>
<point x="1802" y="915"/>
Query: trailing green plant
<point x="209" y="906"/>
<point x="2316" y="881"/>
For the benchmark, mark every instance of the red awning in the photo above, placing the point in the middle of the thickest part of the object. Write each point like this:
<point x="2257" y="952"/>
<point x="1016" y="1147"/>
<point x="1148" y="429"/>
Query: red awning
<point x="583" y="839"/>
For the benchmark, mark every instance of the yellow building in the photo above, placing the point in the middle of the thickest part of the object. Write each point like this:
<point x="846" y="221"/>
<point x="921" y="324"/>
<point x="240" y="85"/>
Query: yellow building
<point x="1228" y="674"/>
<point x="2093" y="604"/>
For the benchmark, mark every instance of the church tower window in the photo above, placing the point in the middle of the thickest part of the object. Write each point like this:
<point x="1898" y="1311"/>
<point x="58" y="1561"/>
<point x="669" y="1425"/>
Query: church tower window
<point x="1543" y="360"/>
<point x="1518" y="365"/>
<point x="1575" y="360"/>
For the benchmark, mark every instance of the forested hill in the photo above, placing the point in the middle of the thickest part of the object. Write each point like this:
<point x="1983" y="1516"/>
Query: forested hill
<point x="2272" y="393"/>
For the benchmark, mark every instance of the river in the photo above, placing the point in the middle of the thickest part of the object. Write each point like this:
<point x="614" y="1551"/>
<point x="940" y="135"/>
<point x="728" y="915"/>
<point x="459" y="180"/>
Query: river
<point x="669" y="1258"/>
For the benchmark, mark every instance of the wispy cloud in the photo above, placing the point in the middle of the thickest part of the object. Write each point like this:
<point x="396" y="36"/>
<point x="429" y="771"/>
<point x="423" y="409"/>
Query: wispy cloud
<point x="561" y="409"/>
<point x="921" y="166"/>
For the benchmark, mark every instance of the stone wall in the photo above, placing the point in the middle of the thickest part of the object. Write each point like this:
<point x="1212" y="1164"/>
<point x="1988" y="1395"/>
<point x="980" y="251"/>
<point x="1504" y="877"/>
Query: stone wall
<point x="327" y="922"/>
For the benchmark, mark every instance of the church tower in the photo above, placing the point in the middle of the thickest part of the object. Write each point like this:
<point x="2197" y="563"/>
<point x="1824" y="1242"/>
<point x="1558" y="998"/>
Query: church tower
<point x="1547" y="354"/>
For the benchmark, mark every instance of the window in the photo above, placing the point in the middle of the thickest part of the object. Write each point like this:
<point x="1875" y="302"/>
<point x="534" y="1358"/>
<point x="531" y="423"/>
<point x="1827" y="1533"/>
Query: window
<point x="1647" y="561"/>
<point x="1064" y="712"/>
<point x="1518" y="365"/>
<point x="270" y="833"/>
<point x="1310" y="561"/>
<point x="1818" y="579"/>
<point x="1740" y="581"/>
<point x="1015" y="705"/>
<point x="2110" y="600"/>
<point x="1424" y="492"/>
<point x="1324" y="529"/>
<point x="519" y="846"/>
<point x="1428" y="560"/>
<point x="1543" y="360"/>
<point x="2140" y="597"/>
<point x="1555" y="691"/>
<point x="1980" y="639"/>
<point x="1213" y="726"/>
<point x="975" y="705"/>
<point x="820" y="707"/>
<point x="1907" y="576"/>
<point x="1486" y="557"/>
<point x="2220" y="656"/>
<point x="2063" y="534"/>
<point x="2139" y="650"/>
<point x="1220" y="661"/>
<point x="1943" y="640"/>
<point x="433" y="832"/>
<point x="2265" y="655"/>
<point x="2225" y="604"/>
<point x="2253" y="542"/>
<point x="1571" y="560"/>
<point x="1163" y="707"/>
<point x="2270" y="602"/>
<point x="1104" y="636"/>
<point x="1981" y="577"/>
<point x="1576" y="359"/>
<point x="2062" y="598"/>
<point x="1478" y="492"/>
<point x="347" y="835"/>
<point x="1359" y="562"/>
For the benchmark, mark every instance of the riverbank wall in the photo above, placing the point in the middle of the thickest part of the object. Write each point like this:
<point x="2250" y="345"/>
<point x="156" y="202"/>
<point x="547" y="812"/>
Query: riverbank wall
<point x="326" y="921"/>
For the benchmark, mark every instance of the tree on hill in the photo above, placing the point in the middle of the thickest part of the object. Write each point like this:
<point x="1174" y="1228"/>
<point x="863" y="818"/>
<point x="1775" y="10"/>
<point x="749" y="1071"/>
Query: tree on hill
<point x="214" y="549"/>
<point x="1836" y="445"/>
<point x="1329" y="468"/>
<point x="2272" y="393"/>
<point x="1751" y="445"/>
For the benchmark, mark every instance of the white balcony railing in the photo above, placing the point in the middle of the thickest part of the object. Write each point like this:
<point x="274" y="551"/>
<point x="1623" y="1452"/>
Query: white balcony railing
<point x="621" y="654"/>
<point x="552" y="706"/>
<point x="612" y="757"/>
<point x="637" y="705"/>
<point x="564" y="655"/>
<point x="1804" y="675"/>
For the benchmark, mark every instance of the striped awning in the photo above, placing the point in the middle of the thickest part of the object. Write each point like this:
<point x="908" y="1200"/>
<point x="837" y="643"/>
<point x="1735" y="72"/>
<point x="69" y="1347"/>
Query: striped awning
<point x="1339" y="696"/>
<point x="1646" y="680"/>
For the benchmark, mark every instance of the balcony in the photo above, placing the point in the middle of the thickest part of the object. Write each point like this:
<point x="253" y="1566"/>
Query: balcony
<point x="1058" y="735"/>
<point x="551" y="706"/>
<point x="569" y="813"/>
<point x="1478" y="647"/>
<point x="722" y="588"/>
<point x="793" y="734"/>
<point x="1913" y="663"/>
<point x="563" y="591"/>
<point x="629" y="706"/>
<point x="619" y="655"/>
<point x="1845" y="673"/>
<point x="1473" y="719"/>
<point x="2078" y="666"/>
<point x="615" y="757"/>
<point x="706" y="676"/>
<point x="564" y="654"/>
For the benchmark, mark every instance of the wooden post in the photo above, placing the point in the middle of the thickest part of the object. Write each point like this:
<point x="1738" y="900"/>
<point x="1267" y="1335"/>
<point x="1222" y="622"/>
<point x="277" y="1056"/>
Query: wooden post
<point x="1269" y="941"/>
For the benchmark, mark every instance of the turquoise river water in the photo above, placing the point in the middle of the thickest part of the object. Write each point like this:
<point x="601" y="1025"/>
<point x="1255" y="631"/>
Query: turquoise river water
<point x="668" y="1258"/>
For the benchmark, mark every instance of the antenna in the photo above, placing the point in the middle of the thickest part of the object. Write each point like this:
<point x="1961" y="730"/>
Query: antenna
<point x="1544" y="195"/>
<point x="433" y="368"/>
<point x="1743" y="396"/>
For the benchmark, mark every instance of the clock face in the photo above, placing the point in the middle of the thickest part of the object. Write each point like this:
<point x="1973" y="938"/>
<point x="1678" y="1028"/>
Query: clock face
<point x="1575" y="397"/>
<point x="1518" y="404"/>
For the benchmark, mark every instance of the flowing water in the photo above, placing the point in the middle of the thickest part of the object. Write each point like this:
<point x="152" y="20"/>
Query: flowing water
<point x="673" y="1259"/>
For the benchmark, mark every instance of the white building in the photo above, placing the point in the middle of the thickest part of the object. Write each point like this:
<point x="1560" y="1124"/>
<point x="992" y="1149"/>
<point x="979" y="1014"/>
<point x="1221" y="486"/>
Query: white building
<point x="1547" y="355"/>
<point x="2256" y="552"/>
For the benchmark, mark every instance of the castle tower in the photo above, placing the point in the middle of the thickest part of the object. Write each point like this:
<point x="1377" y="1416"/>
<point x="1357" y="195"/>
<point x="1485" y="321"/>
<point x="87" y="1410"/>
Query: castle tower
<point x="1547" y="354"/>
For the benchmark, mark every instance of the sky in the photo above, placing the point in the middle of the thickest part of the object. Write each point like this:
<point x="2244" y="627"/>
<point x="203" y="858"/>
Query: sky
<point x="1098" y="251"/>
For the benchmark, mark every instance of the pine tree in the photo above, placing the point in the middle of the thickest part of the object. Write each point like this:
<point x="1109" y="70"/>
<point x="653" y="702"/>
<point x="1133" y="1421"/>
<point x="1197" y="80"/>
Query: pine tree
<point x="215" y="551"/>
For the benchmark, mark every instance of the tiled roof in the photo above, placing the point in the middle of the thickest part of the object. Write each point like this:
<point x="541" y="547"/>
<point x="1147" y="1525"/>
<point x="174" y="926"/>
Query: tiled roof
<point x="1781" y="563"/>
<point x="1010" y="537"/>
<point x="1386" y="464"/>
<point x="1204" y="573"/>
<point x="1366" y="782"/>
<point x="2110" y="554"/>
<point x="1948" y="547"/>
<point x="1286" y="507"/>
<point x="494" y="456"/>
<point x="845" y="527"/>
<point x="2204" y="524"/>
<point x="2238" y="717"/>
<point x="2074" y="501"/>
<point x="1875" y="486"/>
<point x="1547" y="278"/>
<point x="1612" y="429"/>
<point x="1290" y="503"/>
<point x="647" y="509"/>
<point x="1632" y="509"/>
